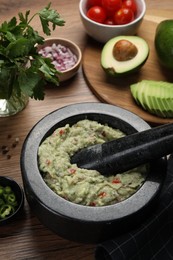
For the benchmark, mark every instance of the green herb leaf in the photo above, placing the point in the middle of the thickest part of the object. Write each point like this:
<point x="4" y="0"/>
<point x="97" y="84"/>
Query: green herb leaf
<point x="28" y="81"/>
<point x="6" y="82"/>
<point x="18" y="42"/>
<point x="49" y="71"/>
<point x="8" y="26"/>
<point x="24" y="19"/>
<point x="47" y="16"/>
<point x="19" y="48"/>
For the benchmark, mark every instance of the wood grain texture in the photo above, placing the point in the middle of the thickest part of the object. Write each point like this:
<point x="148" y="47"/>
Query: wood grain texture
<point x="27" y="238"/>
<point x="116" y="91"/>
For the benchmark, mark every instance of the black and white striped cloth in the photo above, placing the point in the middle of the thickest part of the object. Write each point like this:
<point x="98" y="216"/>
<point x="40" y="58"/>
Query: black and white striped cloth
<point x="153" y="240"/>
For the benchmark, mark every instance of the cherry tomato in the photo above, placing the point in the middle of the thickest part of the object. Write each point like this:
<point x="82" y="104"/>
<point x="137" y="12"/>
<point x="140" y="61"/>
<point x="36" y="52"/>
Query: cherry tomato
<point x="123" y="16"/>
<point x="97" y="14"/>
<point x="109" y="21"/>
<point x="94" y="3"/>
<point x="130" y="4"/>
<point x="111" y="6"/>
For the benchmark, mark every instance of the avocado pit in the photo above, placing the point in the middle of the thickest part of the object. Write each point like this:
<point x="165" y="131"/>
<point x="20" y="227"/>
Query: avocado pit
<point x="124" y="50"/>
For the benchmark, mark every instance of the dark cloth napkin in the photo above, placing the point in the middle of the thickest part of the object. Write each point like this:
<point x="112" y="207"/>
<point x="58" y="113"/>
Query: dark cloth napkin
<point x="153" y="240"/>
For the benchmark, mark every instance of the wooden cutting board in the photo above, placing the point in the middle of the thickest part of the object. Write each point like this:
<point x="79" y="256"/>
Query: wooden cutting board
<point x="116" y="91"/>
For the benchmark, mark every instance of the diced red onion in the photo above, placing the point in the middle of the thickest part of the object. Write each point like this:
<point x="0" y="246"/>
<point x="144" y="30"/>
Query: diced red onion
<point x="62" y="57"/>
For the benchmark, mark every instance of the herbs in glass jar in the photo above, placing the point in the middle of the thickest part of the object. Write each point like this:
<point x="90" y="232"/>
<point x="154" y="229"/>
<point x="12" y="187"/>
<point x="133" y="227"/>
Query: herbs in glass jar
<point x="18" y="48"/>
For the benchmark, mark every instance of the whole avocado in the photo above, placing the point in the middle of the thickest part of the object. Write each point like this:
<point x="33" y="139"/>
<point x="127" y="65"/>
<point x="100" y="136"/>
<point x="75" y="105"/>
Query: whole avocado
<point x="164" y="43"/>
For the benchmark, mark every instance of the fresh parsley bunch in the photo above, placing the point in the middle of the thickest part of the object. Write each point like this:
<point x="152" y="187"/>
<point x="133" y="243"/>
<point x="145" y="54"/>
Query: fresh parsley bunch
<point x="18" y="48"/>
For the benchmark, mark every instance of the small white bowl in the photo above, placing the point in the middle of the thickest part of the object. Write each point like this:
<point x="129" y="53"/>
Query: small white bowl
<point x="69" y="73"/>
<point x="104" y="32"/>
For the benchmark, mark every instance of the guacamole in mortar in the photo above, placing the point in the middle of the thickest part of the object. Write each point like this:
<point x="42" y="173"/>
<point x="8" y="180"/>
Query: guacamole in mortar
<point x="86" y="187"/>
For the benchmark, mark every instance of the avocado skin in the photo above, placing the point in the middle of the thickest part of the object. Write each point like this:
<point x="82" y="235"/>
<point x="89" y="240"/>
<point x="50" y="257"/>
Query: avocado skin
<point x="114" y="74"/>
<point x="164" y="43"/>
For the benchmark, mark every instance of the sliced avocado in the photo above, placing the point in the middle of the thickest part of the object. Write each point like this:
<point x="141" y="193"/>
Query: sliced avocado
<point x="154" y="96"/>
<point x="163" y="43"/>
<point x="124" y="54"/>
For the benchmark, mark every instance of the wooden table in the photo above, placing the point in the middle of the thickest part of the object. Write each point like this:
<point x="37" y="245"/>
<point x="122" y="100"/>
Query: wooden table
<point x="27" y="238"/>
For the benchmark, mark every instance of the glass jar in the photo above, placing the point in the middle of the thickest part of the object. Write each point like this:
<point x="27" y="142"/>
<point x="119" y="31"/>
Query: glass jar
<point x="14" y="104"/>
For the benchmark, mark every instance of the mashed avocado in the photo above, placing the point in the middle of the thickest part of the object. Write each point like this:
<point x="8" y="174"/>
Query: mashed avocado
<point x="86" y="187"/>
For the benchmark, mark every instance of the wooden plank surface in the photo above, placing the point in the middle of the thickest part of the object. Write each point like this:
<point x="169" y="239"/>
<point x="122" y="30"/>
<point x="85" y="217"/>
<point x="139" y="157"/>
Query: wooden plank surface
<point x="116" y="91"/>
<point x="27" y="238"/>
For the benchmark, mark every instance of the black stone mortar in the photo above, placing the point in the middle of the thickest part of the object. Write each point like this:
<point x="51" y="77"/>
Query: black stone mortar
<point x="84" y="223"/>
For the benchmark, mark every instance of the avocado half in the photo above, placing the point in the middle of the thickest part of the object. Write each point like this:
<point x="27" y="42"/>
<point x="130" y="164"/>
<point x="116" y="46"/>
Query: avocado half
<point x="124" y="55"/>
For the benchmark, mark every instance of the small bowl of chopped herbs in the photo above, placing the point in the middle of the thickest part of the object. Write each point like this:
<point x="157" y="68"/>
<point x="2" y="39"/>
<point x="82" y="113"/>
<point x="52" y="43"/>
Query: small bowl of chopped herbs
<point x="65" y="55"/>
<point x="11" y="199"/>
